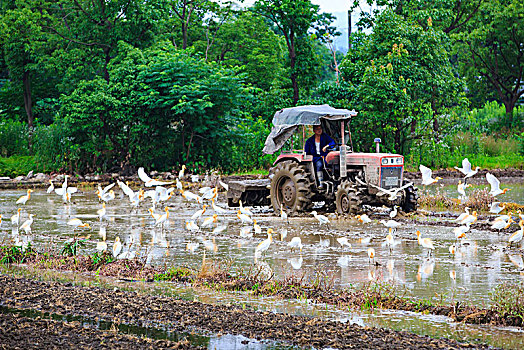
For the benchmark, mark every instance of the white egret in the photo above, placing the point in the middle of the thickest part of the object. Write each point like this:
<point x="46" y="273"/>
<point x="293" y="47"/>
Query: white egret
<point x="426" y="176"/>
<point x="23" y="200"/>
<point x="283" y="213"/>
<point x="199" y="213"/>
<point x="460" y="232"/>
<point x="216" y="208"/>
<point x="496" y="207"/>
<point x="320" y="218"/>
<point x="461" y="189"/>
<point x="264" y="245"/>
<point x="258" y="229"/>
<point x="100" y="192"/>
<point x="283" y="234"/>
<point x="15" y="219"/>
<point x="117" y="247"/>
<point x="148" y="182"/>
<point x="425" y="242"/>
<point x="77" y="223"/>
<point x="295" y="243"/>
<point x="467" y="169"/>
<point x="363" y="219"/>
<point x="244" y="210"/>
<point x="343" y="241"/>
<point x="181" y="172"/>
<point x="219" y="229"/>
<point x="102" y="212"/>
<point x="163" y="218"/>
<point x="495" y="185"/>
<point x="51" y="187"/>
<point x="109" y="196"/>
<point x="209" y="221"/>
<point x="517" y="236"/>
<point x="462" y="215"/>
<point x="371" y="255"/>
<point x="469" y="219"/>
<point x="245" y="231"/>
<point x="501" y="224"/>
<point x="244" y="218"/>
<point x="393" y="212"/>
<point x="192" y="226"/>
<point x="26" y="226"/>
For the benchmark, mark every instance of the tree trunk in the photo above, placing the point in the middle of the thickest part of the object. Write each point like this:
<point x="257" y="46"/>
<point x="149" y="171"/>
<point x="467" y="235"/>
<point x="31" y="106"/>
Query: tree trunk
<point x="184" y="35"/>
<point x="509" y="104"/>
<point x="293" y="60"/>
<point x="28" y="104"/>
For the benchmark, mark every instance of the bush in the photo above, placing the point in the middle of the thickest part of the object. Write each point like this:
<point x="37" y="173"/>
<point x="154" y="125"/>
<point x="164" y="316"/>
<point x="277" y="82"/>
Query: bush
<point x="53" y="147"/>
<point x="14" y="137"/>
<point x="18" y="165"/>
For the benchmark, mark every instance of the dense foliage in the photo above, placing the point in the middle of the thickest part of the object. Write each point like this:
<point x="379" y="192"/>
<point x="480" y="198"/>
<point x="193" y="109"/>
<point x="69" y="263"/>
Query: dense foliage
<point x="98" y="86"/>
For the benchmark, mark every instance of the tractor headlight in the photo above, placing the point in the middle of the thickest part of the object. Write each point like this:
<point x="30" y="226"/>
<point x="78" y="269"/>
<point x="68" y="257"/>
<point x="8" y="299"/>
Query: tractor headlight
<point x="392" y="161"/>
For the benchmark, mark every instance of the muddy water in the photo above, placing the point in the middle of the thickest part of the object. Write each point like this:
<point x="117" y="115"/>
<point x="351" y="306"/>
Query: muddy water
<point x="481" y="262"/>
<point x="515" y="195"/>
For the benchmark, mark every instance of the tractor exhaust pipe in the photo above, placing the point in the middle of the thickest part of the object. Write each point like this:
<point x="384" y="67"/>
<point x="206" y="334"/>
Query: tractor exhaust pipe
<point x="377" y="142"/>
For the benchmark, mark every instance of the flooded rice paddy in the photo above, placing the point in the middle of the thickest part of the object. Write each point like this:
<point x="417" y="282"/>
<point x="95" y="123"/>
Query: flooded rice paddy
<point x="480" y="263"/>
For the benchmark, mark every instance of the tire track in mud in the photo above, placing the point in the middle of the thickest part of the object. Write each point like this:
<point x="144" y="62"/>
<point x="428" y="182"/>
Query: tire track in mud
<point x="180" y="315"/>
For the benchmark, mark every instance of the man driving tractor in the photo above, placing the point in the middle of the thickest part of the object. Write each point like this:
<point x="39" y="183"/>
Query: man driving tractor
<point x="317" y="146"/>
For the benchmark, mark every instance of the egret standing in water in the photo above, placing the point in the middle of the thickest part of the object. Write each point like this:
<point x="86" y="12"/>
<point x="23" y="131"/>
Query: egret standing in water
<point x="295" y="242"/>
<point x="364" y="218"/>
<point x="517" y="236"/>
<point x="262" y="246"/>
<point x="23" y="200"/>
<point x="15" y="219"/>
<point x="26" y="226"/>
<point x="426" y="243"/>
<point x="283" y="214"/>
<point x="320" y="218"/>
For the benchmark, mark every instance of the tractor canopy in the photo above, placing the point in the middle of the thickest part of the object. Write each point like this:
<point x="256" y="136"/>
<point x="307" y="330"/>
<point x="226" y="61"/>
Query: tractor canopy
<point x="287" y="120"/>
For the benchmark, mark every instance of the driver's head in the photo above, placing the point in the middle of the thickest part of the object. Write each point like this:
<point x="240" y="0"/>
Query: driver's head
<point x="317" y="129"/>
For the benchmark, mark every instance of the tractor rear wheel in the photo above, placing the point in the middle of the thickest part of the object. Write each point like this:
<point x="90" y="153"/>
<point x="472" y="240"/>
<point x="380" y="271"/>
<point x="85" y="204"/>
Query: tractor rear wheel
<point x="290" y="187"/>
<point x="411" y="200"/>
<point x="347" y="198"/>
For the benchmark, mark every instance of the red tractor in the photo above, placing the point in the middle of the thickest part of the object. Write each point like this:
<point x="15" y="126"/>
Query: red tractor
<point x="351" y="179"/>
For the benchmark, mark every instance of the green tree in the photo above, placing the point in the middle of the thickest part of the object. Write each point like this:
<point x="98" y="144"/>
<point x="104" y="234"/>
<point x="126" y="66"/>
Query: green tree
<point x="491" y="50"/>
<point x="293" y="18"/>
<point x="161" y="107"/>
<point x="21" y="37"/>
<point x="402" y="80"/>
<point x="246" y="41"/>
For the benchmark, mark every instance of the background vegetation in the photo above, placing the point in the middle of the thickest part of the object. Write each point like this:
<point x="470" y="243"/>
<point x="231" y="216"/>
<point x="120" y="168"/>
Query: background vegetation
<point x="108" y="86"/>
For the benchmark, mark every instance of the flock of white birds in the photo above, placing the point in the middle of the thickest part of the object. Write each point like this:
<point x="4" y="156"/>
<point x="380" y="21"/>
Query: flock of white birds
<point x="159" y="195"/>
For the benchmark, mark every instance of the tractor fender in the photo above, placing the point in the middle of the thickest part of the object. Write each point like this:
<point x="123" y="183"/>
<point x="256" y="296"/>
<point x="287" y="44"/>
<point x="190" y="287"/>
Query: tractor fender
<point x="304" y="159"/>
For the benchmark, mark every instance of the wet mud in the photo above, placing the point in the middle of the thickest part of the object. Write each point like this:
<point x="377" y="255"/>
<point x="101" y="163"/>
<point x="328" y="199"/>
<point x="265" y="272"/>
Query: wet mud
<point x="181" y="316"/>
<point x="19" y="332"/>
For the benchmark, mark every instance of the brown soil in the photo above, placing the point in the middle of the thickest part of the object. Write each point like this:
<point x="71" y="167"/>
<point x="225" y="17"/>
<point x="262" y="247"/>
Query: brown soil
<point x="18" y="332"/>
<point x="179" y="315"/>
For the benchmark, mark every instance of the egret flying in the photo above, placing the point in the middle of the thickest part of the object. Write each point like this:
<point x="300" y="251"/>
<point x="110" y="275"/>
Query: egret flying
<point x="495" y="185"/>
<point x="426" y="176"/>
<point x="148" y="182"/>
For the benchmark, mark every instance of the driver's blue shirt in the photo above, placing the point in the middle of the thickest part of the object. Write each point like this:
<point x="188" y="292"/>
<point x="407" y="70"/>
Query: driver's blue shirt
<point x="310" y="147"/>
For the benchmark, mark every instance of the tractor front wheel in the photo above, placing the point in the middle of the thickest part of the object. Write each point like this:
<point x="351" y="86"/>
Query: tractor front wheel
<point x="347" y="198"/>
<point x="290" y="187"/>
